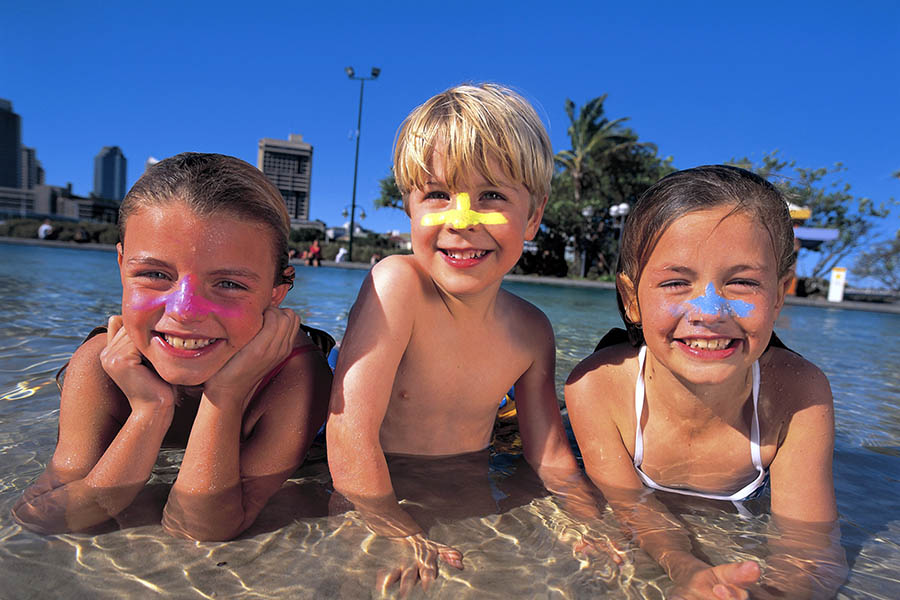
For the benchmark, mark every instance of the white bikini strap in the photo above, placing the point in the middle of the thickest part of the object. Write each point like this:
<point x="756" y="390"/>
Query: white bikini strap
<point x="639" y="409"/>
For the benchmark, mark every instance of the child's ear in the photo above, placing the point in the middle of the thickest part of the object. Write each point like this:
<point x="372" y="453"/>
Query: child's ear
<point x="281" y="290"/>
<point x="628" y="293"/>
<point x="781" y="292"/>
<point x="120" y="253"/>
<point x="534" y="221"/>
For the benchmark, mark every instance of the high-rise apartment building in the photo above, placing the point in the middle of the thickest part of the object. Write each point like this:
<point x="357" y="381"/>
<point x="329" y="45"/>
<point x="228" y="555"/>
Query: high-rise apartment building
<point x="288" y="165"/>
<point x="10" y="142"/>
<point x="32" y="172"/>
<point x="109" y="173"/>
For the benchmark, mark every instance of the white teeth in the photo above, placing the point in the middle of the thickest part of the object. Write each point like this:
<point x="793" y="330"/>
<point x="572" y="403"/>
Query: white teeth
<point x="187" y="343"/>
<point x="465" y="254"/>
<point x="705" y="344"/>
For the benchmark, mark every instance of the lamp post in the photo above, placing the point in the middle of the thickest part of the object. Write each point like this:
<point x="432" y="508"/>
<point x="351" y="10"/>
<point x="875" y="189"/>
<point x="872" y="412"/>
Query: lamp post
<point x="362" y="82"/>
<point x="618" y="212"/>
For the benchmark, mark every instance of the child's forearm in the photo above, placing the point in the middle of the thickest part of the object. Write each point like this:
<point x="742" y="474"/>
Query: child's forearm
<point x="806" y="560"/>
<point x="657" y="532"/>
<point x="50" y="506"/>
<point x="206" y="501"/>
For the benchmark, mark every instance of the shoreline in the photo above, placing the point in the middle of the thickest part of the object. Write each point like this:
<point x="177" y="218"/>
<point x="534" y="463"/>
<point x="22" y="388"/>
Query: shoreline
<point x="882" y="307"/>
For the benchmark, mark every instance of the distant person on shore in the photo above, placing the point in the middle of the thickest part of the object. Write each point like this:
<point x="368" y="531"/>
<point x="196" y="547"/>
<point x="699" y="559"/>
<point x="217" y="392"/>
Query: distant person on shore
<point x="45" y="231"/>
<point x="202" y="357"/>
<point x="374" y="258"/>
<point x="700" y="398"/>
<point x="341" y="255"/>
<point x="314" y="254"/>
<point x="433" y="342"/>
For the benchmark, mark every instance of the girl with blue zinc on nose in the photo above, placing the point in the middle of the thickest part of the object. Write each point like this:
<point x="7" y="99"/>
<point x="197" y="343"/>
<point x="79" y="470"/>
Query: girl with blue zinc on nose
<point x="699" y="397"/>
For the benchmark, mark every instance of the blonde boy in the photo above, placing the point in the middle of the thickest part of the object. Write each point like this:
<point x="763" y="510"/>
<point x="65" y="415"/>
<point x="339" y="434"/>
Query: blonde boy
<point x="433" y="342"/>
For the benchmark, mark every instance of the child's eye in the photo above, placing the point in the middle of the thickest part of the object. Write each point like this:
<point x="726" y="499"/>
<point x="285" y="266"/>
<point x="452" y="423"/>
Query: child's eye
<point x="750" y="283"/>
<point x="493" y="196"/>
<point x="152" y="275"/>
<point x="437" y="195"/>
<point x="674" y="284"/>
<point x="231" y="285"/>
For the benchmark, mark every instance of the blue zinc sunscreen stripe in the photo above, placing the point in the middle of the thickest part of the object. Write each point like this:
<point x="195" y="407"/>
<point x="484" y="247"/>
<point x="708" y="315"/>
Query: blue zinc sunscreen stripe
<point x="711" y="303"/>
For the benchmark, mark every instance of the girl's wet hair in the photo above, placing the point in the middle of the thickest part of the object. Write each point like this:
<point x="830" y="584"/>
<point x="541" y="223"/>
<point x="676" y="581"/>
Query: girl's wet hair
<point x="215" y="184"/>
<point x="700" y="188"/>
<point x="473" y="125"/>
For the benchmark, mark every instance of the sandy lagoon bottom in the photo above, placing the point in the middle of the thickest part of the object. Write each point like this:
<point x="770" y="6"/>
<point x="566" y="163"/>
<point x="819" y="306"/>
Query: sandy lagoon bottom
<point x="296" y="550"/>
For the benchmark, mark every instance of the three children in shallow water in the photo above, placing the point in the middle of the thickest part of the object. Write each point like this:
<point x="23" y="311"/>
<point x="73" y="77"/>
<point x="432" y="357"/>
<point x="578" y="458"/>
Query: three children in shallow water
<point x="698" y="399"/>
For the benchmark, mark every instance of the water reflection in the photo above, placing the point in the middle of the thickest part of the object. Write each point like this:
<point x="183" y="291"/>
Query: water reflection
<point x="51" y="298"/>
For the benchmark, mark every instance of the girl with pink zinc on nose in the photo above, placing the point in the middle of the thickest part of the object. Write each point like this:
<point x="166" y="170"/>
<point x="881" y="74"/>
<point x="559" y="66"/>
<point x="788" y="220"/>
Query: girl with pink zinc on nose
<point x="201" y="357"/>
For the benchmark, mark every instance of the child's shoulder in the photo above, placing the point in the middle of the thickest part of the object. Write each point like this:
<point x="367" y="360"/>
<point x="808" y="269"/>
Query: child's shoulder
<point x="398" y="271"/>
<point x="795" y="381"/>
<point x="614" y="365"/>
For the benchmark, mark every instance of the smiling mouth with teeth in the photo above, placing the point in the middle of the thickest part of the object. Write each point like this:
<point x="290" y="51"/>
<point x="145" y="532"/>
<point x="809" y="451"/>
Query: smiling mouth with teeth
<point x="187" y="343"/>
<point x="465" y="254"/>
<point x="707" y="344"/>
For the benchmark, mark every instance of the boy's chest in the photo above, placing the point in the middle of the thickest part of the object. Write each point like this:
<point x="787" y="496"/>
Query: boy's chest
<point x="471" y="366"/>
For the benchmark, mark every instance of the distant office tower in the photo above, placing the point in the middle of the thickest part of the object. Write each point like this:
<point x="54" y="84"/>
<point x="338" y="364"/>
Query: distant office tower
<point x="109" y="173"/>
<point x="288" y="165"/>
<point x="10" y="141"/>
<point x="32" y="171"/>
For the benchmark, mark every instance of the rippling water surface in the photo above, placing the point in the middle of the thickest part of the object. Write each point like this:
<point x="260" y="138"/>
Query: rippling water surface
<point x="509" y="531"/>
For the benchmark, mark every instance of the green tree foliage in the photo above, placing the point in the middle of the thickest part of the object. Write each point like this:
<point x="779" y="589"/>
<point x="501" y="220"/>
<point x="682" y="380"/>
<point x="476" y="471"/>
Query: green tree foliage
<point x="882" y="262"/>
<point x="605" y="166"/>
<point x="832" y="204"/>
<point x="390" y="194"/>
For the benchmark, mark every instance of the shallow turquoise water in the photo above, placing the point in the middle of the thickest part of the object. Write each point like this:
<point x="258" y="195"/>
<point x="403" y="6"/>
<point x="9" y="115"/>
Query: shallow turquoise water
<point x="50" y="298"/>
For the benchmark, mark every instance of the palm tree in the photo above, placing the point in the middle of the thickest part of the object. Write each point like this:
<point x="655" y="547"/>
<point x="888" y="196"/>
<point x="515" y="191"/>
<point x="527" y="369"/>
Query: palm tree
<point x="592" y="135"/>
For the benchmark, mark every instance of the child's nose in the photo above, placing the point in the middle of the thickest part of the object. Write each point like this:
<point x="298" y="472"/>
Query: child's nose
<point x="707" y="308"/>
<point x="185" y="303"/>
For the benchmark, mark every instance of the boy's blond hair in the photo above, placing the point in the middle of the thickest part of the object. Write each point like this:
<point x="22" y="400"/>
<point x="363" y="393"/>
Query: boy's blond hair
<point x="471" y="125"/>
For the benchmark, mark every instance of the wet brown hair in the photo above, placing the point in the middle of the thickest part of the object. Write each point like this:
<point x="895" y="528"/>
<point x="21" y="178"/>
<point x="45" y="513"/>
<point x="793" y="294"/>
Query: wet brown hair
<point x="215" y="184"/>
<point x="700" y="188"/>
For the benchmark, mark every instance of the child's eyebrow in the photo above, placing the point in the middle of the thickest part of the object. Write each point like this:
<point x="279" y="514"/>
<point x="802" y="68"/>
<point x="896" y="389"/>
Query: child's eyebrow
<point x="147" y="260"/>
<point x="236" y="273"/>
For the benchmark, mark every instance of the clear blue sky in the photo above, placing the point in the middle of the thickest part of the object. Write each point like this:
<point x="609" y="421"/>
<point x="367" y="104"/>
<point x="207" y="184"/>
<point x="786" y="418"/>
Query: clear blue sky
<point x="817" y="80"/>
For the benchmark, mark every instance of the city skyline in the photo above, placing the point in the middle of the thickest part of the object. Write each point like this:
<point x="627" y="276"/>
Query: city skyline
<point x="816" y="81"/>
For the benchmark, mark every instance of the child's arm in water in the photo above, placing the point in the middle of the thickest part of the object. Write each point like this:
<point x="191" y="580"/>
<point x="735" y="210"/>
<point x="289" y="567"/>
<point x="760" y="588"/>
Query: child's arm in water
<point x="806" y="559"/>
<point x="224" y="482"/>
<point x="592" y="391"/>
<point x="544" y="441"/>
<point x="105" y="452"/>
<point x="378" y="332"/>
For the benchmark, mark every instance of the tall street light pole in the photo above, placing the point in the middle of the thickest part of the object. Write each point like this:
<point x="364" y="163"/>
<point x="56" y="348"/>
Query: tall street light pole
<point x="362" y="82"/>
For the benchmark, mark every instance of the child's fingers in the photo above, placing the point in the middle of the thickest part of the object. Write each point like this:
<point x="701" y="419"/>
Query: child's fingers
<point x="451" y="556"/>
<point x="113" y="325"/>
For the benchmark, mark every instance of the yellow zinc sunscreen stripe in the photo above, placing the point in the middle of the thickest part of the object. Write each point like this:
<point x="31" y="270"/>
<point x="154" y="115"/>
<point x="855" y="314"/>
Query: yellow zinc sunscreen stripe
<point x="463" y="216"/>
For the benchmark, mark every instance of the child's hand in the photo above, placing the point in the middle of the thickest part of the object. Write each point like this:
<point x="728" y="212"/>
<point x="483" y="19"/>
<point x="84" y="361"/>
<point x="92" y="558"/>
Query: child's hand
<point x="724" y="582"/>
<point x="426" y="552"/>
<point x="121" y="360"/>
<point x="603" y="548"/>
<point x="239" y="377"/>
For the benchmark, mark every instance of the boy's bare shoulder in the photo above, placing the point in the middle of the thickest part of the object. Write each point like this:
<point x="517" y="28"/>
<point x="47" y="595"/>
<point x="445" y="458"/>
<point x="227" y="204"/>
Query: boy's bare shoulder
<point x="398" y="275"/>
<point x="528" y="318"/>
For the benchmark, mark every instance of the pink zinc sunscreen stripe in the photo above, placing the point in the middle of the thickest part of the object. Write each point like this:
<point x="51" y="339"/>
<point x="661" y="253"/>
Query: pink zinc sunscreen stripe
<point x="186" y="302"/>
